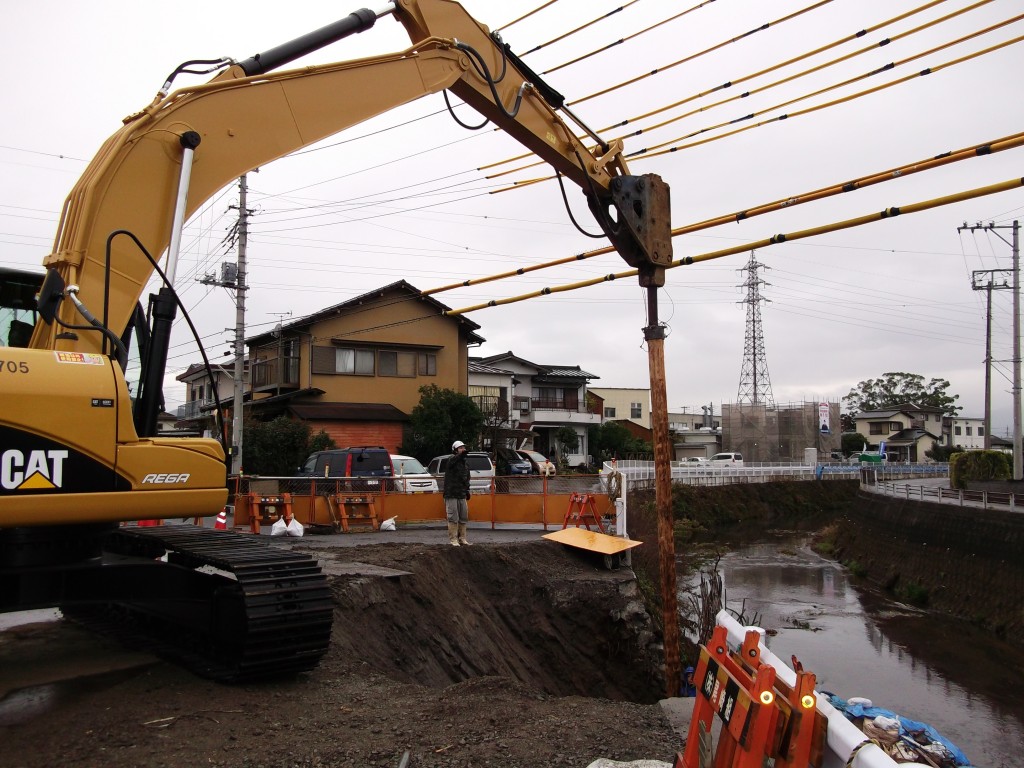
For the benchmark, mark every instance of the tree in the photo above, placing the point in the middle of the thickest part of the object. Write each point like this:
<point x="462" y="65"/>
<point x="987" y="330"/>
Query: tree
<point x="276" y="448"/>
<point x="612" y="440"/>
<point x="942" y="452"/>
<point x="852" y="442"/>
<point x="441" y="417"/>
<point x="898" y="388"/>
<point x="321" y="441"/>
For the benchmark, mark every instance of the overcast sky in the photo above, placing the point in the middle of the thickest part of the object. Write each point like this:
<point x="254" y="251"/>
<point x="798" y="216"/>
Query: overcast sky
<point x="399" y="197"/>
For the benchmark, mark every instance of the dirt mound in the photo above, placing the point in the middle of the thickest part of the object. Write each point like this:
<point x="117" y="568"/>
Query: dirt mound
<point x="499" y="655"/>
<point x="533" y="612"/>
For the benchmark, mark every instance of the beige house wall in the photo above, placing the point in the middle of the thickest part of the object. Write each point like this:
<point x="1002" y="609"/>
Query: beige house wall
<point x="390" y="326"/>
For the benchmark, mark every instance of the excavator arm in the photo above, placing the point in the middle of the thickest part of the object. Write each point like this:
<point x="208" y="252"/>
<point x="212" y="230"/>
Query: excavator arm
<point x="251" y="114"/>
<point x="79" y="452"/>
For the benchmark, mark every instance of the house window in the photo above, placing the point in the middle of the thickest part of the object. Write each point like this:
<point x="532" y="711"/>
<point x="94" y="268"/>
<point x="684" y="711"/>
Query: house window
<point x="636" y="411"/>
<point x="882" y="429"/>
<point x="427" y="364"/>
<point x="609" y="413"/>
<point x="968" y="432"/>
<point x="981" y="431"/>
<point x="956" y="431"/>
<point x="396" y="363"/>
<point x="354" y="361"/>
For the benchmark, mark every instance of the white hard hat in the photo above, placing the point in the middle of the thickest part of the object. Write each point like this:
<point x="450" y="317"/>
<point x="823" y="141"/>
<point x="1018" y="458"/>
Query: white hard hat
<point x="458" y="444"/>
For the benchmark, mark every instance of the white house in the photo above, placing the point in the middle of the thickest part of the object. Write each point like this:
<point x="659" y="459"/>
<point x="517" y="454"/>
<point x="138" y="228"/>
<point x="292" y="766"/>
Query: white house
<point x="964" y="432"/>
<point x="544" y="399"/>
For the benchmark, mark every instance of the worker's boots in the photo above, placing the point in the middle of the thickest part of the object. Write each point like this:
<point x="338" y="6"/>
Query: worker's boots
<point x="462" y="535"/>
<point x="453" y="534"/>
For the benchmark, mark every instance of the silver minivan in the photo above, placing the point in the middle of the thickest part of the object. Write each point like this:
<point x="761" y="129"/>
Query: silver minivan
<point x="481" y="470"/>
<point x="728" y="459"/>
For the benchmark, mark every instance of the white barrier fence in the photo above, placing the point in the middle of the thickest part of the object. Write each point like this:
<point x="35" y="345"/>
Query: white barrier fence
<point x="640" y="472"/>
<point x="938" y="495"/>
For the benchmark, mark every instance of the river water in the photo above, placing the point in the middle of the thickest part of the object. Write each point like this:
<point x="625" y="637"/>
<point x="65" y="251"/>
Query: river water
<point x="935" y="671"/>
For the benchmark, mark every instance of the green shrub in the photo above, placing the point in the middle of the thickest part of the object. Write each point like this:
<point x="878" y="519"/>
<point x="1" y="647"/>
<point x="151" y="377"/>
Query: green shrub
<point x="915" y="594"/>
<point x="972" y="466"/>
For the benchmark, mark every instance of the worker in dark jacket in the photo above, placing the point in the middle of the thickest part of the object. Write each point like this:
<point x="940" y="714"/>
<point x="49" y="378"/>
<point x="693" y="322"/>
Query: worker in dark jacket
<point x="456" y="495"/>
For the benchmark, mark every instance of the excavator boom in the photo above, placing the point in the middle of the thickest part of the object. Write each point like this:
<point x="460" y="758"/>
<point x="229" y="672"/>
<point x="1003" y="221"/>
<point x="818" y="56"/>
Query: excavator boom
<point x="79" y="452"/>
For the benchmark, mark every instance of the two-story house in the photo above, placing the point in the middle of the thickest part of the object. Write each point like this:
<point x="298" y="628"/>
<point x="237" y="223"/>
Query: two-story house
<point x="201" y="395"/>
<point x="904" y="429"/>
<point x="546" y="398"/>
<point x="964" y="432"/>
<point x="355" y="369"/>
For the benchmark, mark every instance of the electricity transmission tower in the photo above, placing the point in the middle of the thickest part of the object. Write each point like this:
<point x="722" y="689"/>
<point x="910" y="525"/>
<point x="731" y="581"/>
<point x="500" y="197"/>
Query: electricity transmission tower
<point x="755" y="384"/>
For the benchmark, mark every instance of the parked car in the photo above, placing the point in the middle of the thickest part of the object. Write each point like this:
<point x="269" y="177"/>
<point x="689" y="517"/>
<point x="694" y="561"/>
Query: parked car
<point x="411" y="476"/>
<point x="728" y="459"/>
<point x="481" y="470"/>
<point x="539" y="463"/>
<point x="366" y="463"/>
<point x="690" y="460"/>
<point x="509" y="462"/>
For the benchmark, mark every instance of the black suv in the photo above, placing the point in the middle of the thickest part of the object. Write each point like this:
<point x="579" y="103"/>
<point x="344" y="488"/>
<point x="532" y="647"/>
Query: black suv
<point x="362" y="461"/>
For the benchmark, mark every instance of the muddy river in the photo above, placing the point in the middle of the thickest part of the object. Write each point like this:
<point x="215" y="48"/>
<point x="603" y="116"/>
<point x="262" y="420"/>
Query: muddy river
<point x="859" y="644"/>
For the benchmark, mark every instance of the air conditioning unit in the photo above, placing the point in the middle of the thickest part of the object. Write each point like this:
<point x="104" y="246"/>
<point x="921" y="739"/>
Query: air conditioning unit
<point x="524" y="409"/>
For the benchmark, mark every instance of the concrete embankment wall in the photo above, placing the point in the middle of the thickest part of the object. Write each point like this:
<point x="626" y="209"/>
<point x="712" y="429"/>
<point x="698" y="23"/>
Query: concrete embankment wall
<point x="962" y="561"/>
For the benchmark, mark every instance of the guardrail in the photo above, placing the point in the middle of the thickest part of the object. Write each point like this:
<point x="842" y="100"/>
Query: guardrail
<point x="939" y="495"/>
<point x="641" y="473"/>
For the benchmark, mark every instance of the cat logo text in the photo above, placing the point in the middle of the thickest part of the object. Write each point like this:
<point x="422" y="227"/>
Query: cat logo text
<point x="35" y="470"/>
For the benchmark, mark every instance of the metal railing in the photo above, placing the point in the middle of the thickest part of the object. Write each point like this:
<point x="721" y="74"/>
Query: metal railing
<point x="556" y="485"/>
<point x="641" y="472"/>
<point x="940" y="495"/>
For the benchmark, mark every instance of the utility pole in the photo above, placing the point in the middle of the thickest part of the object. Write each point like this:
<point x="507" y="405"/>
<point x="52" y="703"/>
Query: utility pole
<point x="236" y="407"/>
<point x="1014" y="243"/>
<point x="984" y="280"/>
<point x="233" y="276"/>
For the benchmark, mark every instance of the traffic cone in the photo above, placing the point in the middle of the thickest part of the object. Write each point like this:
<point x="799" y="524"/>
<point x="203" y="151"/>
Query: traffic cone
<point x="222" y="520"/>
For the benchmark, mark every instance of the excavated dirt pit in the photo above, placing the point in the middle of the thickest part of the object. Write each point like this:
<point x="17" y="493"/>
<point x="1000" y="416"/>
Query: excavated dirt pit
<point x="516" y="654"/>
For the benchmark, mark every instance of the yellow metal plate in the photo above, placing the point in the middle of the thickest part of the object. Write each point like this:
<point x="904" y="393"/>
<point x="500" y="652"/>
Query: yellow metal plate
<point x="592" y="540"/>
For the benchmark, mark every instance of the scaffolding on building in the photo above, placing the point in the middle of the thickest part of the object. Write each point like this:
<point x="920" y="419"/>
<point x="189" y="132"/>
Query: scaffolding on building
<point x="765" y="432"/>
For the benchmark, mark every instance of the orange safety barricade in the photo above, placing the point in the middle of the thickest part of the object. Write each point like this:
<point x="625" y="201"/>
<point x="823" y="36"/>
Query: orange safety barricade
<point x="353" y="510"/>
<point x="762" y="717"/>
<point x="266" y="508"/>
<point x="582" y="510"/>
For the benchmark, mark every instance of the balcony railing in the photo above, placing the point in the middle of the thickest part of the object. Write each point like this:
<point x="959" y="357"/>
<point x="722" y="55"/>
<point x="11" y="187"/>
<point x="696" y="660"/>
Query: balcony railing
<point x="276" y="372"/>
<point x="197" y="409"/>
<point x="491" y="406"/>
<point x="526" y="404"/>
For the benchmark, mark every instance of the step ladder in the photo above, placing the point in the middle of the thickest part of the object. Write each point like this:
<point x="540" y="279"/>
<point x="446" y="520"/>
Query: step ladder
<point x="582" y="511"/>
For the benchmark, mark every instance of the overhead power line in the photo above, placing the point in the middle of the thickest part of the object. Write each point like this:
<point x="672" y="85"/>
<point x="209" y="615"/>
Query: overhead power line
<point x="871" y="218"/>
<point x="691" y="57"/>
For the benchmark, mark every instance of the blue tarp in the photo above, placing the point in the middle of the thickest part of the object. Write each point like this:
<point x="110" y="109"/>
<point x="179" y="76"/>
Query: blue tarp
<point x="907" y="727"/>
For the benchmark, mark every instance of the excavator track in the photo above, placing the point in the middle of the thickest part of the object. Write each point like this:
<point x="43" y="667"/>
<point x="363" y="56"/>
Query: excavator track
<point x="225" y="605"/>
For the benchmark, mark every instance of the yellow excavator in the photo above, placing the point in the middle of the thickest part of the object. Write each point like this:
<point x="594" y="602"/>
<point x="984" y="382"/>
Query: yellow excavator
<point x="79" y="450"/>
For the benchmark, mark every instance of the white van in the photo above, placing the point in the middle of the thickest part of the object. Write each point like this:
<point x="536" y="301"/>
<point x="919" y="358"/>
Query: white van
<point x="728" y="459"/>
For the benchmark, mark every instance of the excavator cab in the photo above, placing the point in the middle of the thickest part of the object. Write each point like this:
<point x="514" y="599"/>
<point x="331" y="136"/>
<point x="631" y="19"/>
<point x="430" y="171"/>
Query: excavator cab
<point x="18" y="312"/>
